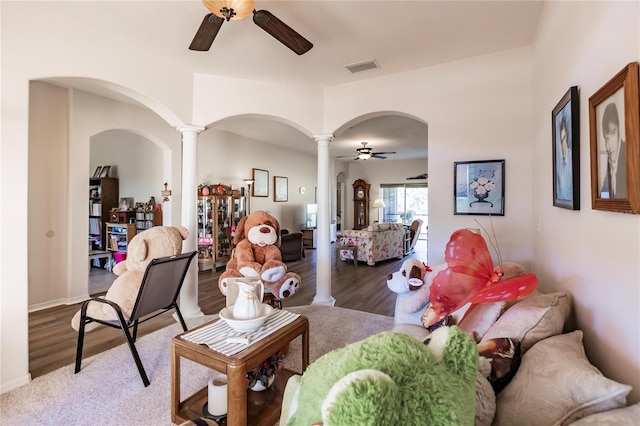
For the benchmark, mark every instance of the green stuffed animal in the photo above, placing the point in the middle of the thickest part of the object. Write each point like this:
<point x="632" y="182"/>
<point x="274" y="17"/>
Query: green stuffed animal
<point x="392" y="379"/>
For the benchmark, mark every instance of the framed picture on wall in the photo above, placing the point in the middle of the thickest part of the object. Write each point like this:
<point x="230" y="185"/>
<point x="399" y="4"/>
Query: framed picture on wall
<point x="261" y="183"/>
<point x="614" y="127"/>
<point x="565" y="122"/>
<point x="105" y="171"/>
<point x="281" y="188"/>
<point x="478" y="187"/>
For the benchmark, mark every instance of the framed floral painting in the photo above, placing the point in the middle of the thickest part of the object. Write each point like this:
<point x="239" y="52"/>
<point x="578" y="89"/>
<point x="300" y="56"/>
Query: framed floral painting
<point x="478" y="187"/>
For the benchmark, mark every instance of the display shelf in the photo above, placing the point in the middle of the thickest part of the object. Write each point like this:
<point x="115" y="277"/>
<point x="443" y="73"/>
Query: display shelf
<point x="146" y="219"/>
<point x="218" y="215"/>
<point x="119" y="235"/>
<point x="263" y="408"/>
<point x="103" y="196"/>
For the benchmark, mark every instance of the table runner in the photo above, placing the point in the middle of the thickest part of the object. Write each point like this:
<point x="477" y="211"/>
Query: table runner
<point x="215" y="335"/>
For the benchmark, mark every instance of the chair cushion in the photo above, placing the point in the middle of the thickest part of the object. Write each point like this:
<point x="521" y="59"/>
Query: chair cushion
<point x="291" y="246"/>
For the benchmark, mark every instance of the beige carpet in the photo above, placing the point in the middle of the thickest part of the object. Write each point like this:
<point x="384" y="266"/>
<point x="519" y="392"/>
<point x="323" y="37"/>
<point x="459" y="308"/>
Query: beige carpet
<point x="108" y="390"/>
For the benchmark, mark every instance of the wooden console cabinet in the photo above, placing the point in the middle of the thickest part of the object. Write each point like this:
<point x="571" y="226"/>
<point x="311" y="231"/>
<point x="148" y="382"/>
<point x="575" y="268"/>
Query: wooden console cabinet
<point x="309" y="237"/>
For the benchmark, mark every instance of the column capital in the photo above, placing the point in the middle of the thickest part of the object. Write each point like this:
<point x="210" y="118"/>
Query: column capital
<point x="325" y="137"/>
<point x="189" y="128"/>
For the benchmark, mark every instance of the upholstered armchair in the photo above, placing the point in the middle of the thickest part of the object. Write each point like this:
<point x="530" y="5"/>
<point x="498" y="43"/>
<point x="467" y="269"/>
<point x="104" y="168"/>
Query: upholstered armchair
<point x="291" y="246"/>
<point x="414" y="233"/>
<point x="377" y="242"/>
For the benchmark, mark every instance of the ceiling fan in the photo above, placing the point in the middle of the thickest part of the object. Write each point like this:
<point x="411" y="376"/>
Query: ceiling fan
<point x="365" y="153"/>
<point x="222" y="10"/>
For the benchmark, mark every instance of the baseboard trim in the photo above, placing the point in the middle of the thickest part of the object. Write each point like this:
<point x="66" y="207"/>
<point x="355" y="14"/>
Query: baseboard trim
<point x="15" y="384"/>
<point x="52" y="303"/>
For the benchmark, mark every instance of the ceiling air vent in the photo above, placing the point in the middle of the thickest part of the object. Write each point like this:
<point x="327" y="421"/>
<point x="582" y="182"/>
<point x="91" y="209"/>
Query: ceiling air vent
<point x="362" y="66"/>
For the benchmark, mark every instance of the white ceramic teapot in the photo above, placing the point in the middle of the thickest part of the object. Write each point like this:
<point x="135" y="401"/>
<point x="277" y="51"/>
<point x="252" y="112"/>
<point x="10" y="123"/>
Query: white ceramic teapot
<point x="248" y="304"/>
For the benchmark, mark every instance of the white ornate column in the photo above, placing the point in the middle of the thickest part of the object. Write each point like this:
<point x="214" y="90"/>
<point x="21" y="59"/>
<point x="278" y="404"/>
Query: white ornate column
<point x="323" y="250"/>
<point x="189" y="293"/>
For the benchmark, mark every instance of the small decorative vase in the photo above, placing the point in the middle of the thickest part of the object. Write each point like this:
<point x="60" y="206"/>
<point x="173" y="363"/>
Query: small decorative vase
<point x="259" y="387"/>
<point x="205" y="191"/>
<point x="481" y="197"/>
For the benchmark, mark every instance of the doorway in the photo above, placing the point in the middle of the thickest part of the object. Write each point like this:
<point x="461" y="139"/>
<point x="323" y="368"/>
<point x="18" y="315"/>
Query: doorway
<point x="406" y="202"/>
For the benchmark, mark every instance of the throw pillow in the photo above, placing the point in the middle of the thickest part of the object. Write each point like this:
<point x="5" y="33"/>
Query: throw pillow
<point x="533" y="319"/>
<point x="556" y="384"/>
<point x="504" y="354"/>
<point x="479" y="320"/>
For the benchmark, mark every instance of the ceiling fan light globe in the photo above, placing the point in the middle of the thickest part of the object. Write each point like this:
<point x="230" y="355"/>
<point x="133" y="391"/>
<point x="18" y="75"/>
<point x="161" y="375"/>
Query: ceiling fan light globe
<point x="364" y="156"/>
<point x="239" y="8"/>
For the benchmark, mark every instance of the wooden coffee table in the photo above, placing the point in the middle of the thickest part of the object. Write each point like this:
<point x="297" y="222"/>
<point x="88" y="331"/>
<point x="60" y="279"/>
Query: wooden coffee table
<point x="243" y="406"/>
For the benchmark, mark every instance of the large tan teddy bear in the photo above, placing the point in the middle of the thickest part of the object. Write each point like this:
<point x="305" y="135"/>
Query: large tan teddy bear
<point x="159" y="241"/>
<point x="257" y="254"/>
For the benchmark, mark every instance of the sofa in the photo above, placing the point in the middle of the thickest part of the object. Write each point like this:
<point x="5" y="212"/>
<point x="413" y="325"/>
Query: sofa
<point x="291" y="246"/>
<point x="538" y="392"/>
<point x="377" y="242"/>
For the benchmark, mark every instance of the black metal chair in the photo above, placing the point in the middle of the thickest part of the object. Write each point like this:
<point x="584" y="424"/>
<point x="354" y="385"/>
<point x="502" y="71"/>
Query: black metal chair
<point x="158" y="294"/>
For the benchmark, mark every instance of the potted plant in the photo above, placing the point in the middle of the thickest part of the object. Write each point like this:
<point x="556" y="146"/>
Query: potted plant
<point x="263" y="376"/>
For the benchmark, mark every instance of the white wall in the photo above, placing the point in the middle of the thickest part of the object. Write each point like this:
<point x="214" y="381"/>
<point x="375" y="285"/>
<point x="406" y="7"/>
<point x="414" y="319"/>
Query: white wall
<point x="494" y="106"/>
<point x="216" y="98"/>
<point x="136" y="161"/>
<point x="476" y="109"/>
<point x="90" y="116"/>
<point x="594" y="255"/>
<point x="228" y="159"/>
<point x="375" y="173"/>
<point x="59" y="118"/>
<point x="47" y="212"/>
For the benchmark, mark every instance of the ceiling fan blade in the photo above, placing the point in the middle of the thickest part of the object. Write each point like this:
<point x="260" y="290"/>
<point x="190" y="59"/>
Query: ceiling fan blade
<point x="281" y="31"/>
<point x="388" y="152"/>
<point x="382" y="157"/>
<point x="206" y="33"/>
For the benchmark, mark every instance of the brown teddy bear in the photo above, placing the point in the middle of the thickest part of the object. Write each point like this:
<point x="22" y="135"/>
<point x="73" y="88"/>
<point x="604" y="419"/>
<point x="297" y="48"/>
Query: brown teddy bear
<point x="257" y="254"/>
<point x="159" y="241"/>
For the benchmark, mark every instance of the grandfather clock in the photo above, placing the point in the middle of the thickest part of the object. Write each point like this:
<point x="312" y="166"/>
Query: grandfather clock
<point x="360" y="204"/>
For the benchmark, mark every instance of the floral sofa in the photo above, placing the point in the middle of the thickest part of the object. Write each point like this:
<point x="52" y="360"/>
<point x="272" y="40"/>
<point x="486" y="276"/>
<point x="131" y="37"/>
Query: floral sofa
<point x="377" y="242"/>
<point x="551" y="381"/>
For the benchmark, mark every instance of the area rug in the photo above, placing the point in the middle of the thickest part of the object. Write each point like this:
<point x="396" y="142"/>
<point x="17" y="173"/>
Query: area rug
<point x="108" y="390"/>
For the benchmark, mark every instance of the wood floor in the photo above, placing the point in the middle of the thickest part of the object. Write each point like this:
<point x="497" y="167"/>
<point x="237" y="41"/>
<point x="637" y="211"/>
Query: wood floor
<point x="52" y="341"/>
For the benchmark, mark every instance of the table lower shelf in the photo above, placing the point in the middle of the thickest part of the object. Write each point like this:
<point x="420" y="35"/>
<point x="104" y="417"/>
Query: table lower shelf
<point x="263" y="408"/>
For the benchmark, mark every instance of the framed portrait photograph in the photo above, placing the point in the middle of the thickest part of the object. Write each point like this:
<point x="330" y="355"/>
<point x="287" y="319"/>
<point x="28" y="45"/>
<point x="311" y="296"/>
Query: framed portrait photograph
<point x="260" y="186"/>
<point x="614" y="125"/>
<point x="478" y="187"/>
<point x="565" y="122"/>
<point x="281" y="188"/>
<point x="96" y="174"/>
<point x="105" y="171"/>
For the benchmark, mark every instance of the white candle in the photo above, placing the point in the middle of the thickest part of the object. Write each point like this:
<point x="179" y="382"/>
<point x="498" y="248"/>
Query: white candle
<point x="217" y="402"/>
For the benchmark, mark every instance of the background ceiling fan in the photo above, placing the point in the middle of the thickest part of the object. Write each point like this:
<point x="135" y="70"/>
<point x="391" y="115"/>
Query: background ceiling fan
<point x="365" y="153"/>
<point x="222" y="10"/>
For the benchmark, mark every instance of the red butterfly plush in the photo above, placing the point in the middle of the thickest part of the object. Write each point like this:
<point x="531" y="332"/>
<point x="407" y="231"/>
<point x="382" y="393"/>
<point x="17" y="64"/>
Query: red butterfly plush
<point x="471" y="278"/>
